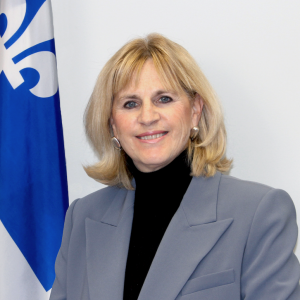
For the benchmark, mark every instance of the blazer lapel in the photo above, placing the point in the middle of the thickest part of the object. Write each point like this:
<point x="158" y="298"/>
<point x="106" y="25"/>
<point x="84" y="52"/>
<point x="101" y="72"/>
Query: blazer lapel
<point x="107" y="245"/>
<point x="192" y="233"/>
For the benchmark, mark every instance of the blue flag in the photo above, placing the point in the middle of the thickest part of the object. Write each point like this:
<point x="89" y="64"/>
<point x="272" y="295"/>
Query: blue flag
<point x="33" y="181"/>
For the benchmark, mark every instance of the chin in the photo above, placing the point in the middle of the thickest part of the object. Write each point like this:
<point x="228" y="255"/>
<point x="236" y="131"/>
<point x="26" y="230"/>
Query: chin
<point x="154" y="162"/>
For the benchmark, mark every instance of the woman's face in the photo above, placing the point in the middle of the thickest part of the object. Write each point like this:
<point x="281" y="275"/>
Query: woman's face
<point x="153" y="124"/>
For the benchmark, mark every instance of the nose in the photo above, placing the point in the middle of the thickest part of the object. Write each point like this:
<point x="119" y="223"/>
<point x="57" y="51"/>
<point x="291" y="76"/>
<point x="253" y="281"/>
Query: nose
<point x="148" y="114"/>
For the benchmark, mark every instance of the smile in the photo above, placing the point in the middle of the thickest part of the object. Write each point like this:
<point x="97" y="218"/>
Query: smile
<point x="152" y="137"/>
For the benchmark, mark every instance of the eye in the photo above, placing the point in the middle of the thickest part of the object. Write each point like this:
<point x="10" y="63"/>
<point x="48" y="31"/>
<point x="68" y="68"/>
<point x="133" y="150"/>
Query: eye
<point x="165" y="99"/>
<point x="130" y="104"/>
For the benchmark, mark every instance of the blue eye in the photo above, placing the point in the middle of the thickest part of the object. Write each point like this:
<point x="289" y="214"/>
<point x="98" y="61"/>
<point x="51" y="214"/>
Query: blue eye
<point x="165" y="99"/>
<point x="130" y="104"/>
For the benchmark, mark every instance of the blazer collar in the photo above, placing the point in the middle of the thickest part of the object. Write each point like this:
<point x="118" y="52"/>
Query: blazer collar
<point x="123" y="200"/>
<point x="197" y="212"/>
<point x="191" y="234"/>
<point x="200" y="200"/>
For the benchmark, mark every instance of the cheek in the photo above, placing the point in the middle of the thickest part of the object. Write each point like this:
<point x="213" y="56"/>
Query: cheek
<point x="181" y="120"/>
<point x="123" y="124"/>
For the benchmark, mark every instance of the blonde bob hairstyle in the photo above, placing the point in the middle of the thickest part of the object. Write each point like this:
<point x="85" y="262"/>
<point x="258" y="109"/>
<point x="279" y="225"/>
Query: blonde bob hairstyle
<point x="179" y="72"/>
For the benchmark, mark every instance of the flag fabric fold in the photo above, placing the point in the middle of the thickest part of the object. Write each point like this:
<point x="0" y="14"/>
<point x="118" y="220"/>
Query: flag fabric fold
<point x="33" y="180"/>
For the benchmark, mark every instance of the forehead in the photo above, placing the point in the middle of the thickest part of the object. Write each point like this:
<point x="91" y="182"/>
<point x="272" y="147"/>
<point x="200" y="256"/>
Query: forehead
<point x="148" y="79"/>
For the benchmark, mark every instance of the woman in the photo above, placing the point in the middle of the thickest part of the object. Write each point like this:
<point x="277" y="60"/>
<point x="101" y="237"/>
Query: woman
<point x="170" y="225"/>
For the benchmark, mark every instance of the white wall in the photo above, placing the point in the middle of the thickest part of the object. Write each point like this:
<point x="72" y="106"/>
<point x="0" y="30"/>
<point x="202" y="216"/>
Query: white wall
<point x="249" y="50"/>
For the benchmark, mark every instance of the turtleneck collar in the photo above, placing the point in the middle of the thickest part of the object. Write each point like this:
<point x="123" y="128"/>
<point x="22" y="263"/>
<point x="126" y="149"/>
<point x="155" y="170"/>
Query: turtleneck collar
<point x="176" y="172"/>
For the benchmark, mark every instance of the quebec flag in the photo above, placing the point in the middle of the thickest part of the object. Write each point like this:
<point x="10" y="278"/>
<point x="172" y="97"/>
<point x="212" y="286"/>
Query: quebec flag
<point x="33" y="181"/>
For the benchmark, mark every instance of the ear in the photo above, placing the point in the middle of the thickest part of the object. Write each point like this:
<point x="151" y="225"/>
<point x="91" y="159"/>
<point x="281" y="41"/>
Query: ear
<point x="113" y="126"/>
<point x="197" y="109"/>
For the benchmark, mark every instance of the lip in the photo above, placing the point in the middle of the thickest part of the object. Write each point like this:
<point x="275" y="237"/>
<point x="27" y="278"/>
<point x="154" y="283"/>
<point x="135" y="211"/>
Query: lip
<point x="153" y="141"/>
<point x="151" y="133"/>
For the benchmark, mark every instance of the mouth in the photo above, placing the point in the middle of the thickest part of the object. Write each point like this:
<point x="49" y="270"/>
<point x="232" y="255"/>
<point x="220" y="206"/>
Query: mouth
<point x="152" y="136"/>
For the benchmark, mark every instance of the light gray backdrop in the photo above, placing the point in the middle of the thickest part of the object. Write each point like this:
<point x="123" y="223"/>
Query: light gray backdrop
<point x="249" y="50"/>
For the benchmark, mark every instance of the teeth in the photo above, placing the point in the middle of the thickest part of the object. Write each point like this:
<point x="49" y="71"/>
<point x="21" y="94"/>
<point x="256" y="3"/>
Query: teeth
<point x="152" y="137"/>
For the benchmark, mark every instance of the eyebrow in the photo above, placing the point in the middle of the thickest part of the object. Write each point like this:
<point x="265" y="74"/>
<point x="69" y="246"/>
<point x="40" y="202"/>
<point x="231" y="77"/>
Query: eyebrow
<point x="157" y="93"/>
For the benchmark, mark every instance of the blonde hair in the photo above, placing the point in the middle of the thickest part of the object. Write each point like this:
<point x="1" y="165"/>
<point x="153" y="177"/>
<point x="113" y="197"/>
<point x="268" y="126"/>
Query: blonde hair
<point x="178" y="70"/>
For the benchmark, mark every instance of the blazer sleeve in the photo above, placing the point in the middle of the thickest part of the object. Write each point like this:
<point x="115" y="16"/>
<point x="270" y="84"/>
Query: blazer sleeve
<point x="59" y="290"/>
<point x="270" y="268"/>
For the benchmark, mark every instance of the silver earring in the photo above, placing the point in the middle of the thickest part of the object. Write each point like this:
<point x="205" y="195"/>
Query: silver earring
<point x="116" y="143"/>
<point x="194" y="132"/>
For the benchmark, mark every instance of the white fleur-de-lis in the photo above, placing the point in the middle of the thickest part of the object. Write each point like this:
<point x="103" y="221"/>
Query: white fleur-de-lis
<point x="39" y="30"/>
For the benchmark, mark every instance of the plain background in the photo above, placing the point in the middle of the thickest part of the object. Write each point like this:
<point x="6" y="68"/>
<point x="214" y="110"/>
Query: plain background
<point x="249" y="51"/>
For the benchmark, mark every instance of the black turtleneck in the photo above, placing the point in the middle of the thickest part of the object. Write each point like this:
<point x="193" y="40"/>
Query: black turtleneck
<point x="157" y="197"/>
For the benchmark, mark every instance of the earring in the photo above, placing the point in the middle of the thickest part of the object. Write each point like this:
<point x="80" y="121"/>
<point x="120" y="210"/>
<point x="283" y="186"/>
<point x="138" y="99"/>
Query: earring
<point x="116" y="143"/>
<point x="194" y="132"/>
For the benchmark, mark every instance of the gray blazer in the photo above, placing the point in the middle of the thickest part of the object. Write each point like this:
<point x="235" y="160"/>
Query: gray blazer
<point x="229" y="239"/>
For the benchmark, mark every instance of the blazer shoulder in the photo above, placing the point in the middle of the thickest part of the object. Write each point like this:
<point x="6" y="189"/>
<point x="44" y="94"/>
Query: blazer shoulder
<point x="243" y="192"/>
<point x="242" y="187"/>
